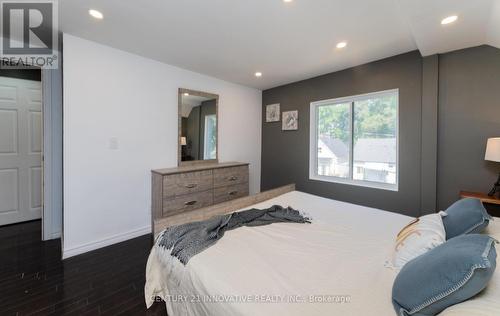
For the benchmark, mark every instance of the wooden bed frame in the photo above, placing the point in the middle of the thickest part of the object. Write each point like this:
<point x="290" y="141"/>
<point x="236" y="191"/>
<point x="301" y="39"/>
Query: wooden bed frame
<point x="217" y="209"/>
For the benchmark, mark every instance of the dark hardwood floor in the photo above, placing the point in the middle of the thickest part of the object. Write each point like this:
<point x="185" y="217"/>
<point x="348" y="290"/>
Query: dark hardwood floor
<point x="35" y="281"/>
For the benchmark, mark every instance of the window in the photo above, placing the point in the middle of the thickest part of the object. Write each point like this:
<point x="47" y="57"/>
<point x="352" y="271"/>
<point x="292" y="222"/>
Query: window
<point x="209" y="138"/>
<point x="354" y="140"/>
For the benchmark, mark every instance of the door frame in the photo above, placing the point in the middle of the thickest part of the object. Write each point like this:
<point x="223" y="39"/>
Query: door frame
<point x="52" y="188"/>
<point x="51" y="153"/>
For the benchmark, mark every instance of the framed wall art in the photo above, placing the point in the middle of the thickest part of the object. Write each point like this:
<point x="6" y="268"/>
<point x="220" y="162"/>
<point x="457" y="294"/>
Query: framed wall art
<point x="290" y="121"/>
<point x="273" y="113"/>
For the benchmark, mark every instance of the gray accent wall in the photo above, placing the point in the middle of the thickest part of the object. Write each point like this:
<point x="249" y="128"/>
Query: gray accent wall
<point x="429" y="158"/>
<point x="448" y="106"/>
<point x="285" y="155"/>
<point x="469" y="113"/>
<point x="193" y="133"/>
<point x="195" y="128"/>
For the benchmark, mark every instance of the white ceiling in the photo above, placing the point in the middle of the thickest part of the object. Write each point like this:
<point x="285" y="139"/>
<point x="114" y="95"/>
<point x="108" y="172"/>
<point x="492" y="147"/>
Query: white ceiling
<point x="193" y="100"/>
<point x="189" y="102"/>
<point x="287" y="42"/>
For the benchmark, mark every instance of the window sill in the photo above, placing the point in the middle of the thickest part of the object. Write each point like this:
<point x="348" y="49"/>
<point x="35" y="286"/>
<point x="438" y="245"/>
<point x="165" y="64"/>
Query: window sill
<point x="358" y="183"/>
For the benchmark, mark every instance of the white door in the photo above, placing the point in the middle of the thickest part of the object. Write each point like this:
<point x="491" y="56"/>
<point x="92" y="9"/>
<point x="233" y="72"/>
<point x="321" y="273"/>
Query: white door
<point x="20" y="150"/>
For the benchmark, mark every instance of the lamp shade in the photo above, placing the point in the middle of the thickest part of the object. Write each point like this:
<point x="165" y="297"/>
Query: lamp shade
<point x="493" y="149"/>
<point x="183" y="141"/>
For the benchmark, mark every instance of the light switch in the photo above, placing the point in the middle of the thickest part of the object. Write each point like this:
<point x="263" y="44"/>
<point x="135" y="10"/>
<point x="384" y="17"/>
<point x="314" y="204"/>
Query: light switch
<point x="113" y="143"/>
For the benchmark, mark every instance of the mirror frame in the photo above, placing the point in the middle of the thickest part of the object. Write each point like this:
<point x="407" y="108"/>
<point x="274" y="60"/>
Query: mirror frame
<point x="179" y="114"/>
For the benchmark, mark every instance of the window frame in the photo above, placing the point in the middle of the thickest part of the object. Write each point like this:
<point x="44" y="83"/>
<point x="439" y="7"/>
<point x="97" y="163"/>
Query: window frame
<point x="206" y="153"/>
<point x="313" y="142"/>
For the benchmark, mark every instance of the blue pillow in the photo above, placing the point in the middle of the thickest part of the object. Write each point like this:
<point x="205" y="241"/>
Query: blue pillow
<point x="466" y="216"/>
<point x="446" y="275"/>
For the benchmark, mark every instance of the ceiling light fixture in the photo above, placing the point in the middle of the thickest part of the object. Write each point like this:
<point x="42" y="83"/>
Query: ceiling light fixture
<point x="258" y="74"/>
<point x="287" y="0"/>
<point x="96" y="14"/>
<point x="341" y="44"/>
<point x="449" y="20"/>
<point x="186" y="94"/>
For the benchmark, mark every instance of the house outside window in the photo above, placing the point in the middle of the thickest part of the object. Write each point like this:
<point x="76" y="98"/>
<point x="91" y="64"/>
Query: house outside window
<point x="354" y="140"/>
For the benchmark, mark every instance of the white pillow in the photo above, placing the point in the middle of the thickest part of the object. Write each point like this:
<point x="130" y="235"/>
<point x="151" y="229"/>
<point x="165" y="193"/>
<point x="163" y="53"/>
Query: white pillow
<point x="418" y="237"/>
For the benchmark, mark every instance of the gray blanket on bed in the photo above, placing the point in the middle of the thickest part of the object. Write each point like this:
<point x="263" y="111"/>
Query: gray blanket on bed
<point x="189" y="239"/>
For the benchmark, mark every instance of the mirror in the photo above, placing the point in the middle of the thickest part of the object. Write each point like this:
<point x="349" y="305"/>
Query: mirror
<point x="197" y="126"/>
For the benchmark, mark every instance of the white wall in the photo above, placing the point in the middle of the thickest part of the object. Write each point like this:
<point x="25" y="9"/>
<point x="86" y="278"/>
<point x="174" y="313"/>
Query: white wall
<point x="110" y="93"/>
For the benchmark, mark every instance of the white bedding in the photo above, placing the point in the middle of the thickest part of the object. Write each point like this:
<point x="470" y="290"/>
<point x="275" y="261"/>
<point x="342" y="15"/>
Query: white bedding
<point x="339" y="257"/>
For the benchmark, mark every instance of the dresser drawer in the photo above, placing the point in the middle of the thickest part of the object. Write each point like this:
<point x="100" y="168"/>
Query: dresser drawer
<point x="230" y="176"/>
<point x="186" y="183"/>
<point x="187" y="202"/>
<point x="231" y="192"/>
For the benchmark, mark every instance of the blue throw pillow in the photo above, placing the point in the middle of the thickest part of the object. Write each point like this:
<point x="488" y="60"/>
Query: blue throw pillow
<point x="466" y="216"/>
<point x="446" y="275"/>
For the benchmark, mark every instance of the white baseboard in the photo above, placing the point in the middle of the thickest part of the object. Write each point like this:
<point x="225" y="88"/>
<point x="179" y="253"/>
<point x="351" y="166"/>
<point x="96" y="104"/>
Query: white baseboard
<point x="70" y="252"/>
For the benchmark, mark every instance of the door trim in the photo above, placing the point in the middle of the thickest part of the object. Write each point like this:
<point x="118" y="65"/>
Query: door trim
<point x="52" y="153"/>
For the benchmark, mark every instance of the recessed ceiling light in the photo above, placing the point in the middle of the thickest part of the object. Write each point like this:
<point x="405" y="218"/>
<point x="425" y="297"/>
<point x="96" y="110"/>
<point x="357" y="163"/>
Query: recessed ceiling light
<point x="287" y="0"/>
<point x="449" y="19"/>
<point x="186" y="94"/>
<point x="341" y="44"/>
<point x="96" y="14"/>
<point x="258" y="74"/>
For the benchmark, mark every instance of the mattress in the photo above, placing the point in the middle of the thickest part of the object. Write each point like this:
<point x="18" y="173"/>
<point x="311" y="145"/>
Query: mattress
<point x="333" y="266"/>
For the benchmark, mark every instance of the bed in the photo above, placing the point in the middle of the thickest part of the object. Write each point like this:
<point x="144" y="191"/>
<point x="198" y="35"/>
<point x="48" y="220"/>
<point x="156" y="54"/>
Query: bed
<point x="333" y="266"/>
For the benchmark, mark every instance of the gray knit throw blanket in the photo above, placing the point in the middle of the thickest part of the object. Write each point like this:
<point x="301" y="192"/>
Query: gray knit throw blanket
<point x="189" y="239"/>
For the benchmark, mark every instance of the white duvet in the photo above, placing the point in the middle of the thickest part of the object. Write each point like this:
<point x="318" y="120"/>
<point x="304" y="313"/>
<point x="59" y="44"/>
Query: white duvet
<point x="334" y="266"/>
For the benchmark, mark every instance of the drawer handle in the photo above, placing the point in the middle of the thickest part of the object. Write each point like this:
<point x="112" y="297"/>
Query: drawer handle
<point x="233" y="193"/>
<point x="233" y="178"/>
<point x="191" y="185"/>
<point x="190" y="203"/>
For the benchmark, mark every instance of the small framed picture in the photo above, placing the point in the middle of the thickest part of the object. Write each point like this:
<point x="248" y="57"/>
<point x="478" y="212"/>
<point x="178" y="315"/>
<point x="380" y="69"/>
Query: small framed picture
<point x="290" y="121"/>
<point x="273" y="113"/>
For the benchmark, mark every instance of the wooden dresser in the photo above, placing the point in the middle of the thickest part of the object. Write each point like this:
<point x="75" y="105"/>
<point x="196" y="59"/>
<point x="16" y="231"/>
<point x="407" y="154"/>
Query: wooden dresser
<point x="186" y="188"/>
